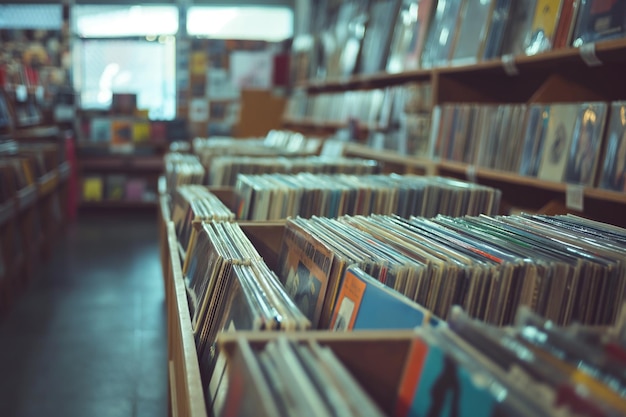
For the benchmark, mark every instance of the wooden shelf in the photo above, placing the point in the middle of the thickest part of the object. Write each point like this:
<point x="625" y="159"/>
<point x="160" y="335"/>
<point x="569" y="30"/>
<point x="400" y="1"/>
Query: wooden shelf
<point x="37" y="132"/>
<point x="611" y="51"/>
<point x="122" y="163"/>
<point x="118" y="204"/>
<point x="537" y="183"/>
<point x="366" y="81"/>
<point x="392" y="159"/>
<point x="147" y="145"/>
<point x="316" y="126"/>
<point x="186" y="393"/>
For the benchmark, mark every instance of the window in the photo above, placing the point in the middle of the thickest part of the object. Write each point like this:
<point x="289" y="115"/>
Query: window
<point x="143" y="67"/>
<point x="31" y="16"/>
<point x="126" y="49"/>
<point x="241" y="22"/>
<point x="123" y="20"/>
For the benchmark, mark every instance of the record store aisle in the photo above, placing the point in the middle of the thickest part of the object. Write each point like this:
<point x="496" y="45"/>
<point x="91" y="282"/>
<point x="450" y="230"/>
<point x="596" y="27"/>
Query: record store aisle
<point x="88" y="337"/>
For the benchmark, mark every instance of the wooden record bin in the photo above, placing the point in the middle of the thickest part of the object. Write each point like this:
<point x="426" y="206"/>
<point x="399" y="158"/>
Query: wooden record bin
<point x="360" y="352"/>
<point x="186" y="397"/>
<point x="560" y="76"/>
<point x="186" y="394"/>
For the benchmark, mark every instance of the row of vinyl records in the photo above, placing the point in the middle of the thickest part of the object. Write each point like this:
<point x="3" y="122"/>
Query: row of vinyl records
<point x="125" y="130"/>
<point x="307" y="195"/>
<point x="566" y="268"/>
<point x="276" y="142"/>
<point x="556" y="142"/>
<point x="181" y="169"/>
<point x="463" y="369"/>
<point x="279" y="196"/>
<point x="116" y="187"/>
<point x="368" y="36"/>
<point x="377" y="108"/>
<point x="383" y="272"/>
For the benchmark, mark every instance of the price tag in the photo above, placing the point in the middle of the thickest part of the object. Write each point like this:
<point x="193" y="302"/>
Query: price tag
<point x="508" y="63"/>
<point x="470" y="173"/>
<point x="575" y="197"/>
<point x="588" y="54"/>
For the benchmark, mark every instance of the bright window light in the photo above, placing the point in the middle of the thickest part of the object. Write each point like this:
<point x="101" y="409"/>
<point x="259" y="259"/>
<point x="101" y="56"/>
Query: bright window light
<point x="123" y="20"/>
<point x="31" y="16"/>
<point x="250" y="23"/>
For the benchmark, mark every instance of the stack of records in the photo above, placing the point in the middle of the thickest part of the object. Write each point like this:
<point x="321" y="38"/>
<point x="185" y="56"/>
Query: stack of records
<point x="225" y="169"/>
<point x="556" y="142"/>
<point x="276" y="143"/>
<point x="278" y="196"/>
<point x="532" y="369"/>
<point x="565" y="268"/>
<point x="182" y="169"/>
<point x="193" y="203"/>
<point x="231" y="288"/>
<point x="293" y="379"/>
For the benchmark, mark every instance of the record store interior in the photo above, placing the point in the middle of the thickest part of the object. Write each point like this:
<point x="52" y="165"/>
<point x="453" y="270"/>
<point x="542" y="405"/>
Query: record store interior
<point x="259" y="208"/>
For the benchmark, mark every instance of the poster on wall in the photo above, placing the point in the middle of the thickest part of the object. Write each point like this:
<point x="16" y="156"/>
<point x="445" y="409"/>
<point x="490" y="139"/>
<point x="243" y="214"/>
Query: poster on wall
<point x="251" y="69"/>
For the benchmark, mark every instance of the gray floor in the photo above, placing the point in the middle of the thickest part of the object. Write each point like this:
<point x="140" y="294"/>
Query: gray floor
<point x="88" y="337"/>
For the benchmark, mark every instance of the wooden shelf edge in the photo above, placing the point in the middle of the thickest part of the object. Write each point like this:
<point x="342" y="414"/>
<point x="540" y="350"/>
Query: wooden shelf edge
<point x="133" y="163"/>
<point x="317" y="335"/>
<point x="509" y="177"/>
<point x="605" y="195"/>
<point x="117" y="204"/>
<point x="364" y="151"/>
<point x="610" y="50"/>
<point x="190" y="367"/>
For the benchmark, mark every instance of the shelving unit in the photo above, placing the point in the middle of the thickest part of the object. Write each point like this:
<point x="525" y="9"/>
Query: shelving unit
<point x="144" y="163"/>
<point x="562" y="75"/>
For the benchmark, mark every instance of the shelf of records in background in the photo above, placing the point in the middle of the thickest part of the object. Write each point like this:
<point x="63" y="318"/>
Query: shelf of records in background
<point x="34" y="175"/>
<point x="354" y="43"/>
<point x="538" y="53"/>
<point x="119" y="181"/>
<point x="120" y="154"/>
<point x="384" y="272"/>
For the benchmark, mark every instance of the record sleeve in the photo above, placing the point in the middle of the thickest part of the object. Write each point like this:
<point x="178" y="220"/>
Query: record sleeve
<point x="304" y="269"/>
<point x="441" y="34"/>
<point x="558" y="140"/>
<point x="497" y="28"/>
<point x="614" y="167"/>
<point x="586" y="144"/>
<point x="472" y="32"/>
<point x="534" y="136"/>
<point x="518" y="27"/>
<point x="365" y="303"/>
<point x="599" y="20"/>
<point x="378" y="33"/>
<point x="409" y="35"/>
<point x="543" y="29"/>
<point x="567" y="21"/>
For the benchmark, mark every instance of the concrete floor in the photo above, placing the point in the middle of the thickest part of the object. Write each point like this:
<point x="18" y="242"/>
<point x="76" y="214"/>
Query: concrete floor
<point x="88" y="336"/>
